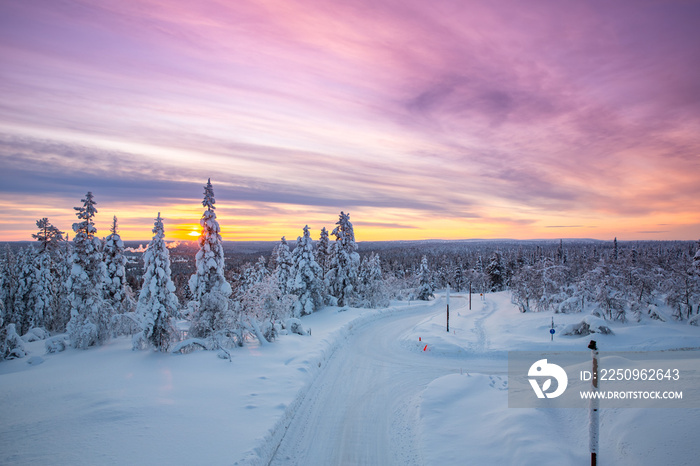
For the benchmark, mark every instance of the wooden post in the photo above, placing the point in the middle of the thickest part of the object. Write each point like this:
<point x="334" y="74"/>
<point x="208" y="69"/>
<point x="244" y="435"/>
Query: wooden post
<point x="593" y="420"/>
<point x="448" y="308"/>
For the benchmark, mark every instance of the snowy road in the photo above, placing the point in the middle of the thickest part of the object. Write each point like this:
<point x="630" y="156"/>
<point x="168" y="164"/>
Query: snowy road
<point x="363" y="408"/>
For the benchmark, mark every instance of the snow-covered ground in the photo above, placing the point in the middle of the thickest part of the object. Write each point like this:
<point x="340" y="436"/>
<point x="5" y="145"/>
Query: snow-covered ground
<point x="362" y="389"/>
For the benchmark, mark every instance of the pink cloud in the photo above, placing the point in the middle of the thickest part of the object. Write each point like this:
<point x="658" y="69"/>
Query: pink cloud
<point x="448" y="107"/>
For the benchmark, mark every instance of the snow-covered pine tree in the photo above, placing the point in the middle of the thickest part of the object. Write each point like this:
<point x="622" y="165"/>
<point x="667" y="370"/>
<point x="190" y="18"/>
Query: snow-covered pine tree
<point x="252" y="274"/>
<point x="49" y="237"/>
<point x="209" y="286"/>
<point x="306" y="276"/>
<point x="496" y="272"/>
<point x="323" y="258"/>
<point x="283" y="269"/>
<point x="89" y="315"/>
<point x="45" y="290"/>
<point x="425" y="281"/>
<point x="323" y="251"/>
<point x="116" y="289"/>
<point x="157" y="304"/>
<point x="344" y="262"/>
<point x="8" y="283"/>
<point x="460" y="282"/>
<point x="372" y="287"/>
<point x="24" y="309"/>
<point x="47" y="284"/>
<point x="60" y="316"/>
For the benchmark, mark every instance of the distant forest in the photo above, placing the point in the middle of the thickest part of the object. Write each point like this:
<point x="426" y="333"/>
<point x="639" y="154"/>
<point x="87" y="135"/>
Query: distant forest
<point x="214" y="294"/>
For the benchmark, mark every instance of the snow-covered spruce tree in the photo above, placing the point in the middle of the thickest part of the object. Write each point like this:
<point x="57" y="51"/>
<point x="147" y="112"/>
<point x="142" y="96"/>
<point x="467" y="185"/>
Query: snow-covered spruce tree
<point x="372" y="288"/>
<point x="694" y="279"/>
<point x="157" y="303"/>
<point x="342" y="276"/>
<point x="252" y="274"/>
<point x="49" y="280"/>
<point x="47" y="285"/>
<point x="89" y="314"/>
<point x="283" y="268"/>
<point x="60" y="316"/>
<point x="8" y="283"/>
<point x="306" y="276"/>
<point x="496" y="272"/>
<point x="116" y="289"/>
<point x="23" y="310"/>
<point x="209" y="286"/>
<point x="425" y="281"/>
<point x="323" y="251"/>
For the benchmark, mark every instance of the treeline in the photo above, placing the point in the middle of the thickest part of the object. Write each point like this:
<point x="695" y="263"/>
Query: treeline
<point x="83" y="292"/>
<point x="622" y="281"/>
<point x="80" y="292"/>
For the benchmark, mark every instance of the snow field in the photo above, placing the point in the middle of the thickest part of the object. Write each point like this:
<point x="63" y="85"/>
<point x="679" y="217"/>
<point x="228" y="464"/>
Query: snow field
<point x="358" y="382"/>
<point x="112" y="405"/>
<point x="465" y="417"/>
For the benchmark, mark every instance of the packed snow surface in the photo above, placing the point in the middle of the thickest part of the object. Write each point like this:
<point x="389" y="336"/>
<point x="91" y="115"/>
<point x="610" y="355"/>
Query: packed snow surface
<point x="370" y="387"/>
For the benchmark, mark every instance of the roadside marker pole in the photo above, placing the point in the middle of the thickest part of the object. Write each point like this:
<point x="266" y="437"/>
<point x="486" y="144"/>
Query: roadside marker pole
<point x="470" y="296"/>
<point x="551" y="330"/>
<point x="448" y="308"/>
<point x="593" y="420"/>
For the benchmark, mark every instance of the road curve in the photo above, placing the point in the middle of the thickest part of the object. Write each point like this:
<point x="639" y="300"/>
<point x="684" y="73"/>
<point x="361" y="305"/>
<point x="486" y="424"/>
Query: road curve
<point x="363" y="408"/>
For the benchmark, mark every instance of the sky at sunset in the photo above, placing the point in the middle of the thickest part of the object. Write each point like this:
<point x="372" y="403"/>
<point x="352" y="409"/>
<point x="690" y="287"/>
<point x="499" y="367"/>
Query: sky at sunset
<point x="449" y="119"/>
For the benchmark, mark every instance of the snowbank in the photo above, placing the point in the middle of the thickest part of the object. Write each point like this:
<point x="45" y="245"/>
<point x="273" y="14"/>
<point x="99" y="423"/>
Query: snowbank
<point x="112" y="405"/>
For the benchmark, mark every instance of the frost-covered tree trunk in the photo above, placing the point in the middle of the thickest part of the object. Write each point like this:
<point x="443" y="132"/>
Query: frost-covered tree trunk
<point x="425" y="281"/>
<point x="157" y="304"/>
<point x="283" y="268"/>
<point x="342" y="276"/>
<point x="307" y="276"/>
<point x="209" y="286"/>
<point x="116" y="289"/>
<point x="90" y="316"/>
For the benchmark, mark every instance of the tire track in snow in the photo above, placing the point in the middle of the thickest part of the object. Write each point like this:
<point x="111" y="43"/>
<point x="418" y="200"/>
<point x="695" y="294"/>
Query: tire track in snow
<point x="363" y="407"/>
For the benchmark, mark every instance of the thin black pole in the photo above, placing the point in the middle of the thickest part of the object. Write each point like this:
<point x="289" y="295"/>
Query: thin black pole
<point x="593" y="420"/>
<point x="448" y="308"/>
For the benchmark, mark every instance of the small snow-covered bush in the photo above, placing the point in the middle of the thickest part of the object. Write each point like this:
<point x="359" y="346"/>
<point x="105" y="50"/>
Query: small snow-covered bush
<point x="589" y="324"/>
<point x="13" y="345"/>
<point x="57" y="343"/>
<point x="192" y="344"/>
<point x="293" y="325"/>
<point x="35" y="334"/>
